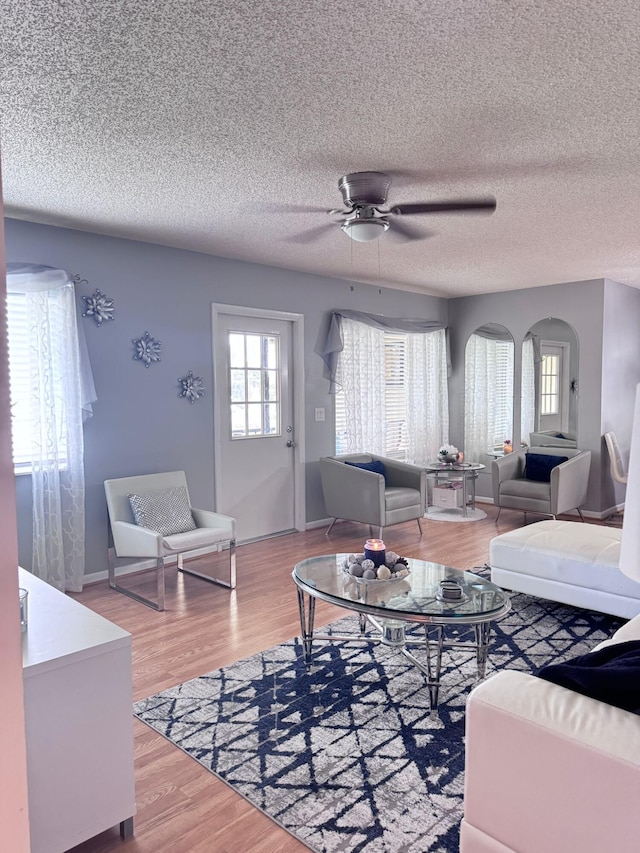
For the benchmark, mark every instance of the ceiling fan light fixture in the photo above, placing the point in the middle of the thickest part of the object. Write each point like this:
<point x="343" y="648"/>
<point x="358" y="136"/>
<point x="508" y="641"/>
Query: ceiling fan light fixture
<point x="364" y="230"/>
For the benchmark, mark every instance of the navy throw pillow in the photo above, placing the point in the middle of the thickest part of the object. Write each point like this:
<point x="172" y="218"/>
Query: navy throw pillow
<point x="376" y="466"/>
<point x="538" y="466"/>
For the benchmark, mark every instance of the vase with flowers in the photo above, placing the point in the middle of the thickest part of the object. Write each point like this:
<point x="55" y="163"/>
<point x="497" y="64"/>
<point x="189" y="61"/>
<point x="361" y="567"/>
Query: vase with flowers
<point x="448" y="453"/>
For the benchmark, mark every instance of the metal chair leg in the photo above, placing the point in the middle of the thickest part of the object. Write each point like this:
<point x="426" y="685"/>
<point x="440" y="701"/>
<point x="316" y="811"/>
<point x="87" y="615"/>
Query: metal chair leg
<point x="329" y="529"/>
<point x="160" y="587"/>
<point x="580" y="513"/>
<point x="419" y="526"/>
<point x="498" y="515"/>
<point x="230" y="584"/>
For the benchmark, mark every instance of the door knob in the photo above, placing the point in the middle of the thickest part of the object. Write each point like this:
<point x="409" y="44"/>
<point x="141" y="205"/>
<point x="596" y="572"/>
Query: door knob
<point x="291" y="443"/>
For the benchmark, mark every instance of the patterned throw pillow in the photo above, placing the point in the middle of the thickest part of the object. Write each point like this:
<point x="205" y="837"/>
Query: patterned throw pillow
<point x="167" y="511"/>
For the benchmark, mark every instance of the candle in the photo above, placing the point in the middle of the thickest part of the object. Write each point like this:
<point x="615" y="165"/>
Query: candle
<point x="374" y="550"/>
<point x="24" y="598"/>
<point x="460" y="456"/>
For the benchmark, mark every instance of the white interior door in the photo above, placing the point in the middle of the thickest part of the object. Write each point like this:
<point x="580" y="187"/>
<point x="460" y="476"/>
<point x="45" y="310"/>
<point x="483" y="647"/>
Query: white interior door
<point x="256" y="443"/>
<point x="554" y="384"/>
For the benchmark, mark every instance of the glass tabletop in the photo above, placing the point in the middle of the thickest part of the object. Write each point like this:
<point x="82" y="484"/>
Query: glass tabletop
<point x="454" y="466"/>
<point x="415" y="598"/>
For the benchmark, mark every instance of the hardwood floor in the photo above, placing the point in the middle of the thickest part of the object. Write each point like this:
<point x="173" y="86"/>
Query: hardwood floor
<point x="182" y="807"/>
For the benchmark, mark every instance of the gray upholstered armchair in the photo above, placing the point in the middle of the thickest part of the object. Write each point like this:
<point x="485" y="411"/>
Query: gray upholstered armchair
<point x="376" y="499"/>
<point x="514" y="486"/>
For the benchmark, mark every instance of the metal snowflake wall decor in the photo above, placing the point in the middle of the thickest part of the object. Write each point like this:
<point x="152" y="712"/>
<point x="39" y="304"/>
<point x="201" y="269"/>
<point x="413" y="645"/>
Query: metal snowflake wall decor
<point x="192" y="387"/>
<point x="147" y="349"/>
<point x="98" y="306"/>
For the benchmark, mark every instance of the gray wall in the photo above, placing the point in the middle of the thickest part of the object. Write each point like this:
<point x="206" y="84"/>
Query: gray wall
<point x="139" y="424"/>
<point x="620" y="375"/>
<point x="578" y="303"/>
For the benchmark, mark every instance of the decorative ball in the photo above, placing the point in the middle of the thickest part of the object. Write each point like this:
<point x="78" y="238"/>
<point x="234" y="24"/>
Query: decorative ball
<point x="355" y="569"/>
<point x="359" y="558"/>
<point x="391" y="559"/>
<point x="383" y="573"/>
<point x="369" y="574"/>
<point x="351" y="558"/>
<point x="368" y="564"/>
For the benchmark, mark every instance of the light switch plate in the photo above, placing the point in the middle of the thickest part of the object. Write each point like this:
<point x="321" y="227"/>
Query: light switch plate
<point x="320" y="414"/>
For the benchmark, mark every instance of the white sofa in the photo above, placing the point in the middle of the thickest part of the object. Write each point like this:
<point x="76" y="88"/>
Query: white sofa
<point x="566" y="561"/>
<point x="549" y="770"/>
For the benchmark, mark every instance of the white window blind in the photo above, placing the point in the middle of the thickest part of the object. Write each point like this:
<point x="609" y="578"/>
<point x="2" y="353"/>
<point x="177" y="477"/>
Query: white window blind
<point x="503" y="399"/>
<point x="393" y="400"/>
<point x="23" y="348"/>
<point x="394" y="423"/>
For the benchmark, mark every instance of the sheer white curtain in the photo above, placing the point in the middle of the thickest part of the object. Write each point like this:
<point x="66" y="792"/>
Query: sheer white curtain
<point x="361" y="375"/>
<point x="488" y="415"/>
<point x="59" y="389"/>
<point x="428" y="396"/>
<point x="528" y="392"/>
<point x="367" y="377"/>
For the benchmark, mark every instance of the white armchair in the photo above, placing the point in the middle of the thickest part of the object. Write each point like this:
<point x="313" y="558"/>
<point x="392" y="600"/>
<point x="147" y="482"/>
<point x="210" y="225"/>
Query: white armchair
<point x="162" y="501"/>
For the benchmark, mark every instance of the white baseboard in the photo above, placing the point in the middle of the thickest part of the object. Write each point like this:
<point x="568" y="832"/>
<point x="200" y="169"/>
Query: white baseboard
<point x="322" y="522"/>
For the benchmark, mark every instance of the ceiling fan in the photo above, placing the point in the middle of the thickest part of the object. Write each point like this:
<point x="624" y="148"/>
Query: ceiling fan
<point x="365" y="218"/>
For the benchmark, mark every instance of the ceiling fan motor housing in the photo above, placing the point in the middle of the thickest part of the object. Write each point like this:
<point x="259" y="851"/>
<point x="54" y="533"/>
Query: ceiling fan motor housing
<point x="364" y="188"/>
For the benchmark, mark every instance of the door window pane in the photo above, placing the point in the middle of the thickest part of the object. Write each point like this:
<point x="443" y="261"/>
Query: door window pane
<point x="238" y="424"/>
<point x="253" y="386"/>
<point x="254" y="382"/>
<point x="236" y="350"/>
<point x="270" y="385"/>
<point x="549" y="385"/>
<point x="237" y="386"/>
<point x="271" y="426"/>
<point x="254" y="418"/>
<point x="271" y="352"/>
<point x="254" y="358"/>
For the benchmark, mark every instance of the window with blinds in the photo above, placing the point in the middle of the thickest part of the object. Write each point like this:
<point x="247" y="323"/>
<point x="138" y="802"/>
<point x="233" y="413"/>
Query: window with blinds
<point x="395" y="420"/>
<point x="21" y="349"/>
<point x="503" y="393"/>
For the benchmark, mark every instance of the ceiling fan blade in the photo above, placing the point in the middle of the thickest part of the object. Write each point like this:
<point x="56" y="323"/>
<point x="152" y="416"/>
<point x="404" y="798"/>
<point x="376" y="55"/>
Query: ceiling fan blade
<point x="487" y="205"/>
<point x="274" y="207"/>
<point x="406" y="232"/>
<point x="312" y="234"/>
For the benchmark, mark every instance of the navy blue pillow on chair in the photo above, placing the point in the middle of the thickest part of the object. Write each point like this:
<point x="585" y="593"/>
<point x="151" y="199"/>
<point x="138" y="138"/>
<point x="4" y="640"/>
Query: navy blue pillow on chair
<point x="538" y="466"/>
<point x="376" y="466"/>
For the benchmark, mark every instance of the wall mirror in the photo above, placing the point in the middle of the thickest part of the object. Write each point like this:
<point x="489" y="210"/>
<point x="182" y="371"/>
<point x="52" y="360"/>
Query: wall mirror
<point x="549" y="398"/>
<point x="488" y="395"/>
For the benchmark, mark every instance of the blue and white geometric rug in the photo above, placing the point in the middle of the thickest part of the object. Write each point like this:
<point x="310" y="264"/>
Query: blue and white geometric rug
<point x="348" y="757"/>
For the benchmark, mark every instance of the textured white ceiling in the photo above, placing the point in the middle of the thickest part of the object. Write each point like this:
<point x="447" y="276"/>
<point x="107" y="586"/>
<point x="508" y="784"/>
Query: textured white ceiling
<point x="192" y="122"/>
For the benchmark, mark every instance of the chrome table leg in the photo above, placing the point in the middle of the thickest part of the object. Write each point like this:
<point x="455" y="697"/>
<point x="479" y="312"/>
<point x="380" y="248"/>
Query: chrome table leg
<point x="306" y="624"/>
<point x="483" y="636"/>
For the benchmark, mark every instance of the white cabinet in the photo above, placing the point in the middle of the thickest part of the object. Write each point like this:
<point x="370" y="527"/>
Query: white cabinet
<point x="79" y="721"/>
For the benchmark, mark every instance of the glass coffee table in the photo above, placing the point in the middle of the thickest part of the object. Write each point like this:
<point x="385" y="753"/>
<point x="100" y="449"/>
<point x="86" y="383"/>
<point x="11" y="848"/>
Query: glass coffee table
<point x="389" y="607"/>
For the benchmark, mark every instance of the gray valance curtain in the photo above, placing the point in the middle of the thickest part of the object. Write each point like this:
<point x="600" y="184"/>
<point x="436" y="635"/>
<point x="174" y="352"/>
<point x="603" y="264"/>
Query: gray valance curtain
<point x="333" y="343"/>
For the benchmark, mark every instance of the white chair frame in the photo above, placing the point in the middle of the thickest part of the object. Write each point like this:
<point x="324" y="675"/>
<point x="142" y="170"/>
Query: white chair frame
<point x="127" y="539"/>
